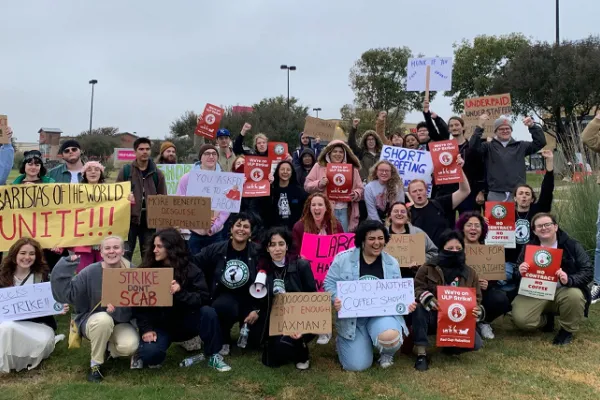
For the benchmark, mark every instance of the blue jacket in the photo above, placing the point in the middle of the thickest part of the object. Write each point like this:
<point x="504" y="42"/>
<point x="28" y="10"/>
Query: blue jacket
<point x="7" y="158"/>
<point x="346" y="267"/>
<point x="61" y="174"/>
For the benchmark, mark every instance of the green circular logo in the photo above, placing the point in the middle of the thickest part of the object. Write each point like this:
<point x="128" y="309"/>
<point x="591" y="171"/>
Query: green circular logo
<point x="542" y="258"/>
<point x="58" y="307"/>
<point x="499" y="211"/>
<point x="400" y="308"/>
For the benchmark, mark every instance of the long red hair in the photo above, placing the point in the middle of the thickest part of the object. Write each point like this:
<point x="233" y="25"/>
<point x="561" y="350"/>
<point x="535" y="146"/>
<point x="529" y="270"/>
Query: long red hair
<point x="307" y="218"/>
<point x="9" y="264"/>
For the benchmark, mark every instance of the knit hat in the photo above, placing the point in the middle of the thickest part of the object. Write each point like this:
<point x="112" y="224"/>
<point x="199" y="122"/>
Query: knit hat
<point x="165" y="145"/>
<point x="69" y="143"/>
<point x="502" y="121"/>
<point x="204" y="148"/>
<point x="91" y="164"/>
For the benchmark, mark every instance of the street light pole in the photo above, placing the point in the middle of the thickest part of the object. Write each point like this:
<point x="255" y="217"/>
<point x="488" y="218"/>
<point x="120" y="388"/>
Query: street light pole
<point x="92" y="82"/>
<point x="290" y="68"/>
<point x="557" y="22"/>
<point x="317" y="111"/>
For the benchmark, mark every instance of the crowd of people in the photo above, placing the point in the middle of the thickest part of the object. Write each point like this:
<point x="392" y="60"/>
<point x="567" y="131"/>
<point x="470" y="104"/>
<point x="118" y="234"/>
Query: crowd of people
<point x="214" y="268"/>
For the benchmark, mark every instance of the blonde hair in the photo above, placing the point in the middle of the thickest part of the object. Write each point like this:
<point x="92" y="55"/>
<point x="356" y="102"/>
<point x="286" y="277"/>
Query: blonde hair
<point x="417" y="181"/>
<point x="119" y="238"/>
<point x="393" y="185"/>
<point x="260" y="136"/>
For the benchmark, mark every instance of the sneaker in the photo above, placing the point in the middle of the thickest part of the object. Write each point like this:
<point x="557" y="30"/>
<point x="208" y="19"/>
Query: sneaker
<point x="595" y="293"/>
<point x="303" y="365"/>
<point x="549" y="327"/>
<point x="225" y="350"/>
<point x="562" y="338"/>
<point x="216" y="362"/>
<point x="486" y="331"/>
<point x="95" y="375"/>
<point x="386" y="360"/>
<point x="324" y="339"/>
<point x="136" y="362"/>
<point x="422" y="364"/>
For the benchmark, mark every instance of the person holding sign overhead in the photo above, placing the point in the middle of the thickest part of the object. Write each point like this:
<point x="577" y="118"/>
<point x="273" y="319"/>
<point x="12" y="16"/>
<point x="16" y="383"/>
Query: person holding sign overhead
<point x="385" y="188"/>
<point x="572" y="298"/>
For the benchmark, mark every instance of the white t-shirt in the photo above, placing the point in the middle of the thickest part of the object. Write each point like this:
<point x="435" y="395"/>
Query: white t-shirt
<point x="74" y="176"/>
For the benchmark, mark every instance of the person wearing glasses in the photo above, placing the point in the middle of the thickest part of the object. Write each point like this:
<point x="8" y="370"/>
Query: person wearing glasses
<point x="32" y="169"/>
<point x="572" y="299"/>
<point x="385" y="188"/>
<point x="70" y="171"/>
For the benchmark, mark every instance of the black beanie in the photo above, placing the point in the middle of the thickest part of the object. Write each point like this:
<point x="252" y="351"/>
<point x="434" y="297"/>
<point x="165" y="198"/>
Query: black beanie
<point x="69" y="143"/>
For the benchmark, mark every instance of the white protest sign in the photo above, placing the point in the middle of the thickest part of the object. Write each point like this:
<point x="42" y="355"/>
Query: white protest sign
<point x="440" y="74"/>
<point x="375" y="298"/>
<point x="411" y="164"/>
<point x="28" y="301"/>
<point x="223" y="188"/>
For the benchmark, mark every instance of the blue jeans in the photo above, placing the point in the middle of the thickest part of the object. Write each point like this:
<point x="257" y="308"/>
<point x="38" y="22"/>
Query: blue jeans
<point x="597" y="257"/>
<point x="197" y="242"/>
<point x="509" y="285"/>
<point x="342" y="216"/>
<point x="357" y="354"/>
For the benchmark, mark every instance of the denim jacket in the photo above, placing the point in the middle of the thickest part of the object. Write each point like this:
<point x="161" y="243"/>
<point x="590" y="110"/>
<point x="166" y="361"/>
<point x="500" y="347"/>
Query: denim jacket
<point x="346" y="267"/>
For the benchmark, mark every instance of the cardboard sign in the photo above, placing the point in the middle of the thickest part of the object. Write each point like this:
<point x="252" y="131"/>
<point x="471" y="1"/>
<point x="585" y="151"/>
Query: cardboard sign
<point x="123" y="156"/>
<point x="173" y="173"/>
<point x="278" y="151"/>
<point x="440" y="76"/>
<point x="320" y="128"/>
<point x="137" y="287"/>
<point x="300" y="313"/>
<point x="223" y="188"/>
<point x="28" y="301"/>
<point x="320" y="250"/>
<point x="340" y="178"/>
<point x="456" y="322"/>
<point x="550" y="142"/>
<point x="445" y="167"/>
<point x="540" y="280"/>
<point x="375" y="298"/>
<point x="501" y="227"/>
<point x="64" y="215"/>
<point x="209" y="121"/>
<point x="178" y="211"/>
<point x="494" y="106"/>
<point x="407" y="249"/>
<point x="487" y="261"/>
<point x="411" y="164"/>
<point x="256" y="170"/>
<point x="4" y="129"/>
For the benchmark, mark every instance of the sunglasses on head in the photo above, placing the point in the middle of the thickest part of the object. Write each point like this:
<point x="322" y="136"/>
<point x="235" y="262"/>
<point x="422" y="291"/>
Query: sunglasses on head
<point x="70" y="150"/>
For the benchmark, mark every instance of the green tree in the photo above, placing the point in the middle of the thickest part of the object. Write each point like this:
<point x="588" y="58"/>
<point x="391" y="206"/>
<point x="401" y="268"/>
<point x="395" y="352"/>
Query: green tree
<point x="368" y="118"/>
<point x="100" y="143"/>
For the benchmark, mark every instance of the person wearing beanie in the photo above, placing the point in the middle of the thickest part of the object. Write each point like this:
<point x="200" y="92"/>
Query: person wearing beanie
<point x="167" y="154"/>
<point x="504" y="157"/>
<point x="32" y="169"/>
<point x="70" y="170"/>
<point x="226" y="155"/>
<point x="305" y="143"/>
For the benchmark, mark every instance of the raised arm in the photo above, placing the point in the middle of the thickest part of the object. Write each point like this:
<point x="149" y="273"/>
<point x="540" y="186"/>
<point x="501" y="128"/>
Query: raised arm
<point x="463" y="187"/>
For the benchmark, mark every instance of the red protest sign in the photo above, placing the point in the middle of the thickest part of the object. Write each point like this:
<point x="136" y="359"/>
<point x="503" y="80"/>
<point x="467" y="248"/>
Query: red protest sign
<point x="540" y="280"/>
<point x="257" y="171"/>
<point x="277" y="151"/>
<point x="445" y="168"/>
<point x="320" y="250"/>
<point x="456" y="322"/>
<point x="209" y="121"/>
<point x="501" y="228"/>
<point x="339" y="187"/>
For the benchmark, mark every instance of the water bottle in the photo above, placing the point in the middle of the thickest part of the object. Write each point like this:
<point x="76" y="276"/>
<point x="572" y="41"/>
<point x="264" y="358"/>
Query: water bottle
<point x="243" y="340"/>
<point x="192" y="360"/>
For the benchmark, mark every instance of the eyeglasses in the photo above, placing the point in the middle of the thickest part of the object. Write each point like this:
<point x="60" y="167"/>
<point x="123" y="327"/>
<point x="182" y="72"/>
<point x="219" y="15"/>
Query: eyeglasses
<point x="384" y="171"/>
<point x="70" y="150"/>
<point x="472" y="225"/>
<point x="209" y="154"/>
<point x="544" y="226"/>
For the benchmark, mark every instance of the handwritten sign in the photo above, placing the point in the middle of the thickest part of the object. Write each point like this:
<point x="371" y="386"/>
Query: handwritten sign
<point x="300" y="313"/>
<point x="375" y="298"/>
<point x="4" y="129"/>
<point x="444" y="155"/>
<point x="256" y="170"/>
<point x="320" y="250"/>
<point x="501" y="227"/>
<point x="407" y="249"/>
<point x="487" y="261"/>
<point x="209" y="121"/>
<point x="28" y="301"/>
<point x="179" y="211"/>
<point x="540" y="280"/>
<point x="63" y="215"/>
<point x="340" y="178"/>
<point x="320" y="128"/>
<point x="223" y="188"/>
<point x="440" y="76"/>
<point x="411" y="164"/>
<point x="173" y="173"/>
<point x="137" y="287"/>
<point x="456" y="322"/>
<point x="494" y="106"/>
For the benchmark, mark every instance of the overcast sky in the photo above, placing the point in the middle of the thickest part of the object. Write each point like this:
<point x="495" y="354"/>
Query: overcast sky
<point x="155" y="59"/>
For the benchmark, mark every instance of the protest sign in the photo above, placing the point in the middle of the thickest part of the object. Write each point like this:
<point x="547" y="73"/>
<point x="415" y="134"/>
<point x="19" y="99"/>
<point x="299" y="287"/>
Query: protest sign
<point x="64" y="215"/>
<point x="300" y="313"/>
<point x="278" y="151"/>
<point x="223" y="188"/>
<point x="411" y="164"/>
<point x="320" y="250"/>
<point x="137" y="287"/>
<point x="501" y="226"/>
<point x="494" y="106"/>
<point x="540" y="280"/>
<point x="173" y="173"/>
<point x="320" y="128"/>
<point x="407" y="249"/>
<point x="4" y="129"/>
<point x="185" y="212"/>
<point x="375" y="298"/>
<point x="550" y="142"/>
<point x="28" y="301"/>
<point x="488" y="261"/>
<point x="209" y="121"/>
<point x="444" y="155"/>
<point x="256" y="170"/>
<point x="340" y="179"/>
<point x="456" y="322"/>
<point x="123" y="156"/>
<point x="440" y="77"/>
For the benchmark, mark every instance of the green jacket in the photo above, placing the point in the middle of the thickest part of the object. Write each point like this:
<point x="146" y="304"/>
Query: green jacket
<point x="61" y="174"/>
<point x="45" y="179"/>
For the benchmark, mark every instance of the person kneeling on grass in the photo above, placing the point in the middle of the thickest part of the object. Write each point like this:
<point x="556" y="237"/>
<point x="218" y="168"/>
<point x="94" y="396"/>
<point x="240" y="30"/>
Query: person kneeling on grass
<point x="102" y="326"/>
<point x="190" y="314"/>
<point x="572" y="299"/>
<point x="449" y="269"/>
<point x="357" y="336"/>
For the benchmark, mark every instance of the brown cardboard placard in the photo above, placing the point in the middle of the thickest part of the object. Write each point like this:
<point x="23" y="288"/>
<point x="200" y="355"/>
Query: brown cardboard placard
<point x="137" y="287"/>
<point x="407" y="248"/>
<point x="184" y="212"/>
<point x="550" y="142"/>
<point x="4" y="130"/>
<point x="494" y="106"/>
<point x="300" y="313"/>
<point x="323" y="129"/>
<point x="488" y="261"/>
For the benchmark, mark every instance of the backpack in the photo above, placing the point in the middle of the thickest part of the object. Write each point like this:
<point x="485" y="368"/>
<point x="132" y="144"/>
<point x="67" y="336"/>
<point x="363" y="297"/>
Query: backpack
<point x="127" y="175"/>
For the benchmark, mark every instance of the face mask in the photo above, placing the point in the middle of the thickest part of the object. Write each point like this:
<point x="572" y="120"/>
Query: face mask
<point x="451" y="259"/>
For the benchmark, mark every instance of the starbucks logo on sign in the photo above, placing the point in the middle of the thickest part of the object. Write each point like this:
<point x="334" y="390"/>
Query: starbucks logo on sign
<point x="457" y="312"/>
<point x="339" y="179"/>
<point x="236" y="274"/>
<point x="446" y="158"/>
<point x="400" y="308"/>
<point x="210" y="119"/>
<point x="58" y="307"/>
<point x="257" y="174"/>
<point x="499" y="211"/>
<point x="279" y="149"/>
<point x="542" y="258"/>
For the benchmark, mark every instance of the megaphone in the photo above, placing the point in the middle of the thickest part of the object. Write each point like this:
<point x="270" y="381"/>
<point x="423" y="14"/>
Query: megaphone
<point x="259" y="289"/>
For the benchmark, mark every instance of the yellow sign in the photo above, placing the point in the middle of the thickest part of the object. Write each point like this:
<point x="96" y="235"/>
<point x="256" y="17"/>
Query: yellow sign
<point x="63" y="215"/>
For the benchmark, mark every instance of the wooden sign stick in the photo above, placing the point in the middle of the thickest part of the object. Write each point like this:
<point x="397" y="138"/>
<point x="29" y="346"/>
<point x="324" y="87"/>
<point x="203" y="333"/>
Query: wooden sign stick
<point x="427" y="79"/>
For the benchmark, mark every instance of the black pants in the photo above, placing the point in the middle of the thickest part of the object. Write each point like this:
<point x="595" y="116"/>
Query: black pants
<point x="232" y="309"/>
<point x="495" y="302"/>
<point x="203" y="322"/>
<point x="141" y="232"/>
<point x="281" y="350"/>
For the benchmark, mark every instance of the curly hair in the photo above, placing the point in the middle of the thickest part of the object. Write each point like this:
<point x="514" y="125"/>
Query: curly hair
<point x="393" y="185"/>
<point x="308" y="220"/>
<point x="369" y="226"/>
<point x="177" y="254"/>
<point x="9" y="264"/>
<point x="466" y="216"/>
